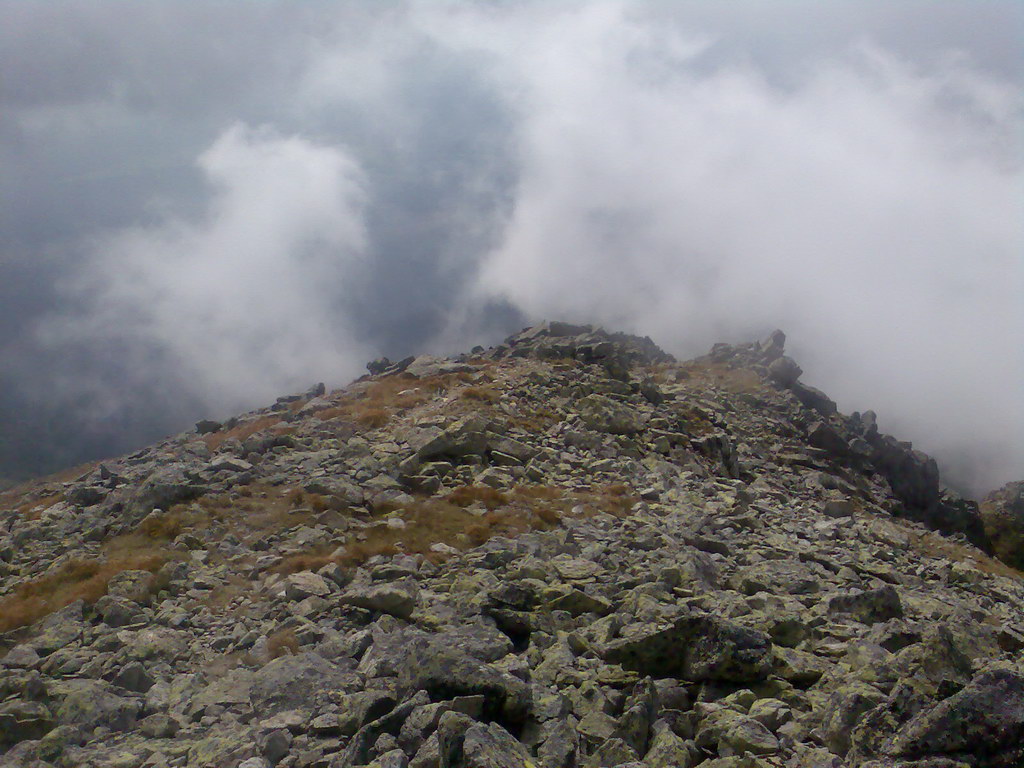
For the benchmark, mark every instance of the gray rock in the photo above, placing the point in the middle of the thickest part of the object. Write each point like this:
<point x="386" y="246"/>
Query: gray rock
<point x="299" y="586"/>
<point x="20" y="657"/>
<point x="395" y="599"/>
<point x="445" y="672"/>
<point x="297" y="682"/>
<point x="158" y="726"/>
<point x="465" y="437"/>
<point x="165" y="487"/>
<point x="560" y="745"/>
<point x="668" y="749"/>
<point x="869" y="606"/>
<point x="844" y="708"/>
<point x="85" y="495"/>
<point x="984" y="721"/>
<point x="395" y="758"/>
<point x="131" y="585"/>
<point x="613" y="752"/>
<point x="92" y="703"/>
<point x="21" y="720"/>
<point x="824" y="436"/>
<point x="134" y="677"/>
<point x="784" y="371"/>
<point x="230" y="464"/>
<point x="58" y="629"/>
<point x="603" y="414"/>
<point x="491" y="746"/>
<point x="696" y="647"/>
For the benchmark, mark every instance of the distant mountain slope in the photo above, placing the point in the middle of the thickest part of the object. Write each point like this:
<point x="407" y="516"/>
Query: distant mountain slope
<point x="569" y="550"/>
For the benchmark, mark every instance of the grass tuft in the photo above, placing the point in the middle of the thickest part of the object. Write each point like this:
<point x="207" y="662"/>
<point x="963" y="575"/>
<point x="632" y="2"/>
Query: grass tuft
<point x="77" y="579"/>
<point x="467" y="495"/>
<point x="282" y="643"/>
<point x="481" y="394"/>
<point x="215" y="440"/>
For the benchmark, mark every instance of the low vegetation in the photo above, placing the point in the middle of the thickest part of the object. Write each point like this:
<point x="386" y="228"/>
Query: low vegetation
<point x="463" y="518"/>
<point x="274" y="422"/>
<point x="702" y="374"/>
<point x="481" y="394"/>
<point x="76" y="579"/>
<point x="935" y="545"/>
<point x="282" y="643"/>
<point x="374" y="405"/>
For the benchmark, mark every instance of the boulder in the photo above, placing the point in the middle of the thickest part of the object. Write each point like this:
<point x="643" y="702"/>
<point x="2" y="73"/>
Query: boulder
<point x="396" y="599"/>
<point x="784" y="371"/>
<point x="21" y="720"/>
<point x="430" y="665"/>
<point x="297" y="682"/>
<point x="166" y="486"/>
<point x="983" y="722"/>
<point x="869" y="606"/>
<point x="299" y="586"/>
<point x="695" y="647"/>
<point x="602" y="414"/>
<point x="491" y="746"/>
<point x="91" y="703"/>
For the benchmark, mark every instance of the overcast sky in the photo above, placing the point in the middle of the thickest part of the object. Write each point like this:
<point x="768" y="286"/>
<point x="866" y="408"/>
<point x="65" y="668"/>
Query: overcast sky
<point x="204" y="205"/>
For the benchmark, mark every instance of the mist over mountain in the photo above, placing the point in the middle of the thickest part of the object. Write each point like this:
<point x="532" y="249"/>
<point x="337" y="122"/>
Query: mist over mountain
<point x="202" y="209"/>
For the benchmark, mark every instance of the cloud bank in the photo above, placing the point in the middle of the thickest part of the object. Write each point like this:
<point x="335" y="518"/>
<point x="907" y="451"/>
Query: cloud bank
<point x="351" y="181"/>
<point x="238" y="300"/>
<point x="870" y="209"/>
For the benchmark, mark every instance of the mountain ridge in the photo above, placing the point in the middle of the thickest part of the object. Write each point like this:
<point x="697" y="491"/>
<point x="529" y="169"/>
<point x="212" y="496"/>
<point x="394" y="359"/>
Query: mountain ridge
<point x="566" y="550"/>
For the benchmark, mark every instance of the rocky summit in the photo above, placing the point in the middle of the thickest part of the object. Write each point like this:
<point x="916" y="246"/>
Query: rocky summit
<point x="567" y="551"/>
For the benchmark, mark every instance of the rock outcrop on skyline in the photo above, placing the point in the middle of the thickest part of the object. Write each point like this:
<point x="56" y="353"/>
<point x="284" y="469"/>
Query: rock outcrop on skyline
<point x="567" y="551"/>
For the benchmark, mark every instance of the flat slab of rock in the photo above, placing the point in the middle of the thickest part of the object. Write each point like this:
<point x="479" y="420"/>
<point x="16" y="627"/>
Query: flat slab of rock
<point x="395" y="599"/>
<point x="699" y="648"/>
<point x="305" y="584"/>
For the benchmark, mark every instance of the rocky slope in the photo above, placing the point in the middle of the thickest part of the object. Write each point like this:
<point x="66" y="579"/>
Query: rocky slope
<point x="566" y="551"/>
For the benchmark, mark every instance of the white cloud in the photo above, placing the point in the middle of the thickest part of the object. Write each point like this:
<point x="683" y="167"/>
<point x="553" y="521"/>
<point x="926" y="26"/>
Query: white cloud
<point x="241" y="299"/>
<point x="871" y="210"/>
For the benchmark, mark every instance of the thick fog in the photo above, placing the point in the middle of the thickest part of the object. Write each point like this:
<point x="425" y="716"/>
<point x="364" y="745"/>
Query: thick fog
<point x="206" y="205"/>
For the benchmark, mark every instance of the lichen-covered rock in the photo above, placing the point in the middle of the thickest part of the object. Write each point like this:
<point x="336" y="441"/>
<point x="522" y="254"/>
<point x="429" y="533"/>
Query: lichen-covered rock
<point x="983" y="722"/>
<point x="92" y="703"/>
<point x="394" y="599"/>
<point x="603" y="414"/>
<point x="869" y="606"/>
<point x="698" y="647"/>
<point x="1002" y="513"/>
<point x="297" y="682"/>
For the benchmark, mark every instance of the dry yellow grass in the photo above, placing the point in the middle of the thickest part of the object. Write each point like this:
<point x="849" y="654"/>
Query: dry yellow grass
<point x="481" y="394"/>
<point x="467" y="495"/>
<point x="306" y="561"/>
<point x="450" y="521"/>
<point x="935" y="545"/>
<point x="380" y="400"/>
<point x="703" y="374"/>
<point x="215" y="440"/>
<point x="371" y="417"/>
<point x="78" y="579"/>
<point x="281" y="643"/>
